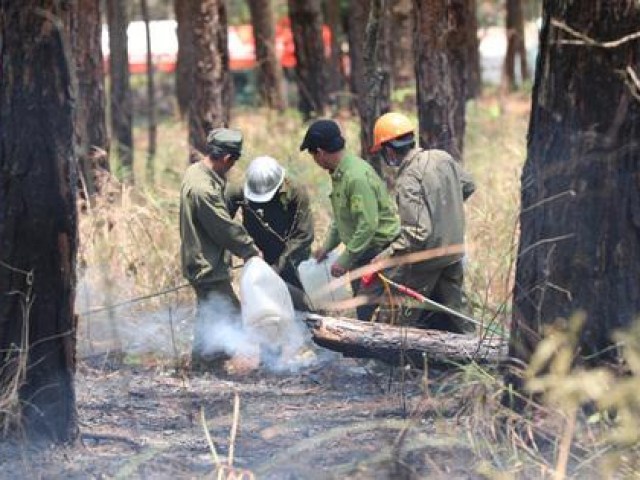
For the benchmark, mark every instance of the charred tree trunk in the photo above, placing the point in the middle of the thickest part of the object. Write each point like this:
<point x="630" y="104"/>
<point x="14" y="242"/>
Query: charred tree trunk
<point x="151" y="95"/>
<point x="90" y="120"/>
<point x="389" y="343"/>
<point x="580" y="221"/>
<point x="474" y="69"/>
<point x="515" y="46"/>
<point x="376" y="99"/>
<point x="402" y="55"/>
<point x="306" y="25"/>
<point x="38" y="224"/>
<point x="120" y="91"/>
<point x="208" y="108"/>
<point x="436" y="91"/>
<point x="269" y="71"/>
<point x="185" y="64"/>
<point x="358" y="18"/>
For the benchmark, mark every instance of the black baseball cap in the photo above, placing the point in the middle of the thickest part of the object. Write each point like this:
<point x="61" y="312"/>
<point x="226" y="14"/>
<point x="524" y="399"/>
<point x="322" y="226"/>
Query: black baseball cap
<point x="324" y="134"/>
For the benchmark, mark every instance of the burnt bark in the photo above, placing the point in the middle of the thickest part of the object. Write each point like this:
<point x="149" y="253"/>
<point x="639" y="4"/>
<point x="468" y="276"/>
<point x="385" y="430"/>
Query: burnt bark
<point x="402" y="54"/>
<point x="580" y="221"/>
<point x="269" y="71"/>
<point x="390" y="343"/>
<point x="439" y="100"/>
<point x="515" y="46"/>
<point x="90" y="120"/>
<point x="209" y="106"/>
<point x="306" y="26"/>
<point x="375" y="100"/>
<point x="120" y="91"/>
<point x="185" y="63"/>
<point x="38" y="223"/>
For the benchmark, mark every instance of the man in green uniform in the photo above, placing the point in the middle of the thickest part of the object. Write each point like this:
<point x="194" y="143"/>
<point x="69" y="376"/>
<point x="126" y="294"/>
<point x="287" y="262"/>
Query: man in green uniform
<point x="277" y="215"/>
<point x="431" y="188"/>
<point x="365" y="216"/>
<point x="209" y="236"/>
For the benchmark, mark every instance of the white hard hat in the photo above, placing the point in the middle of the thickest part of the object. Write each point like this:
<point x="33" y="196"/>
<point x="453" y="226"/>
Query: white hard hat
<point x="264" y="177"/>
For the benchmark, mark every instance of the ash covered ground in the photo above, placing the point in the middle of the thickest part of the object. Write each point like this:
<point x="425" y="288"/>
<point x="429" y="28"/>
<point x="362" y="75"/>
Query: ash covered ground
<point x="340" y="418"/>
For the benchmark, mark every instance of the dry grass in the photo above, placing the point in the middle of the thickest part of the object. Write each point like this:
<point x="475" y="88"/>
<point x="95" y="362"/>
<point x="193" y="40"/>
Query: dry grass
<point x="131" y="237"/>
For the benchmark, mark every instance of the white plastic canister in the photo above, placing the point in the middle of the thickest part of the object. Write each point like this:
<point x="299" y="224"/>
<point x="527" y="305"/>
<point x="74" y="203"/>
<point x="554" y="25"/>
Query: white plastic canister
<point x="315" y="278"/>
<point x="267" y="309"/>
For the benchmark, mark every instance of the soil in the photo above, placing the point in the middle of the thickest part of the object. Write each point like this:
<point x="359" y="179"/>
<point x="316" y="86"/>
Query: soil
<point x="340" y="418"/>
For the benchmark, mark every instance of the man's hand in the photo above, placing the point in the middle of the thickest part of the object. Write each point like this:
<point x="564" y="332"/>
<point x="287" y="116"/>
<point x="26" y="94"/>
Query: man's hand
<point x="320" y="255"/>
<point x="338" y="270"/>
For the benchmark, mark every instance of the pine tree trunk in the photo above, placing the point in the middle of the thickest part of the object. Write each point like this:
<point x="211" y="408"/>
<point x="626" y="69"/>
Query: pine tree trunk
<point x="38" y="224"/>
<point x="208" y="107"/>
<point x="580" y="221"/>
<point x="436" y="91"/>
<point x="515" y="46"/>
<point x="358" y="18"/>
<point x="120" y="91"/>
<point x="222" y="38"/>
<point x="185" y="64"/>
<point x="306" y="25"/>
<point x="90" y="121"/>
<point x="151" y="96"/>
<point x="376" y="99"/>
<point x="390" y="343"/>
<point x="269" y="71"/>
<point x="460" y="20"/>
<point x="336" y="80"/>
<point x="402" y="55"/>
<point x="474" y="69"/>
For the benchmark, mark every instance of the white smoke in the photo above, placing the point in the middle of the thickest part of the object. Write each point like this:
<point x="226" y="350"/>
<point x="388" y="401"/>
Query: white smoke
<point x="275" y="335"/>
<point x="280" y="344"/>
<point x="160" y="326"/>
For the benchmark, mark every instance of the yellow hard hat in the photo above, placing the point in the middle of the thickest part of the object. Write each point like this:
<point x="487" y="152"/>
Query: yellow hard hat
<point x="388" y="127"/>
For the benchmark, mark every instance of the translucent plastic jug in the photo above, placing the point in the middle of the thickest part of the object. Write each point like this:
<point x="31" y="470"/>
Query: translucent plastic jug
<point x="315" y="278"/>
<point x="267" y="309"/>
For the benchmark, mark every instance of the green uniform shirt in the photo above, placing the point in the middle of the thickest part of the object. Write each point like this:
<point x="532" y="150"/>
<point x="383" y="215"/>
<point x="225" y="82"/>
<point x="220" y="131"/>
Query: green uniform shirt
<point x="365" y="216"/>
<point x="207" y="231"/>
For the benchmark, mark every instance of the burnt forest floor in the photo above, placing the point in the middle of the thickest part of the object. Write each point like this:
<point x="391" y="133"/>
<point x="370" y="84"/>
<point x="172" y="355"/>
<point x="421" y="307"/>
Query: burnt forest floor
<point x="340" y="418"/>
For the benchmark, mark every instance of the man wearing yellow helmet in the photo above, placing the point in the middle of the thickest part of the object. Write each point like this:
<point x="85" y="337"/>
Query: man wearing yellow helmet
<point x="431" y="188"/>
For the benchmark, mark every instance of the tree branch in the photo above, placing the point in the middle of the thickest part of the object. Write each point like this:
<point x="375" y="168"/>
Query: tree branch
<point x="586" y="40"/>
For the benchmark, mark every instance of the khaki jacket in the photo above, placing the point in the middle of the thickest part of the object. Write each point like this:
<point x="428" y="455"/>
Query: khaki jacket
<point x="431" y="188"/>
<point x="207" y="231"/>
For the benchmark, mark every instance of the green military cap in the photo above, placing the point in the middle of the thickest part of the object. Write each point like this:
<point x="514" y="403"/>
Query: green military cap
<point x="222" y="141"/>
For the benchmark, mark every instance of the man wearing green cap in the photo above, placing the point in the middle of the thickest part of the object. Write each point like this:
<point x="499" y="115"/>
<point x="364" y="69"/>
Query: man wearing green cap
<point x="365" y="218"/>
<point x="209" y="235"/>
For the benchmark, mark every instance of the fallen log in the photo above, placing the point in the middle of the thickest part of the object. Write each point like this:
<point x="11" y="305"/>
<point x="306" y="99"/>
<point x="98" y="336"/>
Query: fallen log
<point x="354" y="338"/>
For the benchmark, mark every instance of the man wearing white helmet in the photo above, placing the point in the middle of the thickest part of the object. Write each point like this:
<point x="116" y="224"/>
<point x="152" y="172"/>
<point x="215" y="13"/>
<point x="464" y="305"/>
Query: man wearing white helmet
<point x="277" y="216"/>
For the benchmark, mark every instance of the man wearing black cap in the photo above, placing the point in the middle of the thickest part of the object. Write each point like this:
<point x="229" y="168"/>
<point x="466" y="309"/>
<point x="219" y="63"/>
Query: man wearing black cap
<point x="208" y="234"/>
<point x="365" y="217"/>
